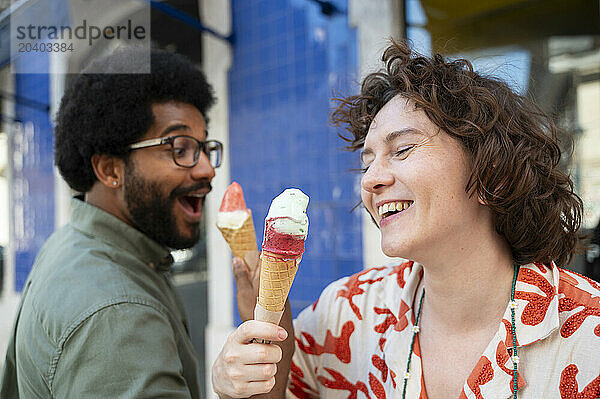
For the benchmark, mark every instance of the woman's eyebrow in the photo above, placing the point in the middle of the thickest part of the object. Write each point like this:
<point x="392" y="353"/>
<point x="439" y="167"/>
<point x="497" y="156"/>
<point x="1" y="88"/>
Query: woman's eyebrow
<point x="399" y="133"/>
<point x="390" y="137"/>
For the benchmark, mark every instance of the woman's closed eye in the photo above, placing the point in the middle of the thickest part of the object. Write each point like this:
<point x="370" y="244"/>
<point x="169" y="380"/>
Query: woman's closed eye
<point x="403" y="152"/>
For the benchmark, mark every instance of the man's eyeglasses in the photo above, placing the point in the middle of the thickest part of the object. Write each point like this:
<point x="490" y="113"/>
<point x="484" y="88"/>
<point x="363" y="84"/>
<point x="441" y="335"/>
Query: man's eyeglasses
<point x="186" y="149"/>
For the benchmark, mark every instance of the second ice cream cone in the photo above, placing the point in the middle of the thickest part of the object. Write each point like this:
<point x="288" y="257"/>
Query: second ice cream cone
<point x="241" y="240"/>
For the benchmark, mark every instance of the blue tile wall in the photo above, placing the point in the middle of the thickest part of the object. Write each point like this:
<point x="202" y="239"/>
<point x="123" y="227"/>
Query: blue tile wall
<point x="33" y="176"/>
<point x="288" y="61"/>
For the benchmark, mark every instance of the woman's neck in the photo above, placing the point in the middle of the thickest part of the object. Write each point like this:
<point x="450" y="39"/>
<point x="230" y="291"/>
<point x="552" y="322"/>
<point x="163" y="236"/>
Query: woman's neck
<point x="471" y="290"/>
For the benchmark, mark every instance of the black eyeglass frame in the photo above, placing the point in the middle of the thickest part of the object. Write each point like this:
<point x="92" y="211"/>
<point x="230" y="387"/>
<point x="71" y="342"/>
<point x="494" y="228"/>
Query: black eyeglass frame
<point x="202" y="146"/>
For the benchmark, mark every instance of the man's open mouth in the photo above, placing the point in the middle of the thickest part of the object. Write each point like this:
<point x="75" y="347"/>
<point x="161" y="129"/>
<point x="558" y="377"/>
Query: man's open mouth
<point x="192" y="202"/>
<point x="391" y="208"/>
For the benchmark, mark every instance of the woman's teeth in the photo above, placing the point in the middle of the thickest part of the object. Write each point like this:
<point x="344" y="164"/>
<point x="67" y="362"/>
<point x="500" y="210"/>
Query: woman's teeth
<point x="392" y="207"/>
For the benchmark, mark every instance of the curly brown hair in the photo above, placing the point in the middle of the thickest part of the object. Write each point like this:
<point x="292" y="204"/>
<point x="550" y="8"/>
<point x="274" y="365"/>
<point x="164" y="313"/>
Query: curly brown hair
<point x="513" y="146"/>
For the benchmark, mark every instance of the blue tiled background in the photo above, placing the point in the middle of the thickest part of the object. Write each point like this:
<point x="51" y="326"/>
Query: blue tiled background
<point x="289" y="60"/>
<point x="32" y="179"/>
<point x="33" y="175"/>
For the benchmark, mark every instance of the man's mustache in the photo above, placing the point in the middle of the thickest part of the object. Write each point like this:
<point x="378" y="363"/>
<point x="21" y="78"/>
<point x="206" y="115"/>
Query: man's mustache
<point x="201" y="185"/>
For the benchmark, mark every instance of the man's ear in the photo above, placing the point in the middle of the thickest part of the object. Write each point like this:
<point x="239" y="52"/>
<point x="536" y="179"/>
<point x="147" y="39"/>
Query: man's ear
<point x="109" y="170"/>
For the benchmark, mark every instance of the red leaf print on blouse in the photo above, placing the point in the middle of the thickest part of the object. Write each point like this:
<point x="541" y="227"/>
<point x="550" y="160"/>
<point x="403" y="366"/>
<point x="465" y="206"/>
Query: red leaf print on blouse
<point x="481" y="375"/>
<point x="508" y="341"/>
<point x="570" y="390"/>
<point x="298" y="387"/>
<point x="380" y="365"/>
<point x="376" y="387"/>
<point x="535" y="311"/>
<point x="338" y="346"/>
<point x="502" y="357"/>
<point x="576" y="298"/>
<point x="393" y="377"/>
<point x="340" y="382"/>
<point x="353" y="288"/>
<point x="382" y="343"/>
<point x="390" y="320"/>
<point x="541" y="267"/>
<point x="402" y="317"/>
<point x="399" y="272"/>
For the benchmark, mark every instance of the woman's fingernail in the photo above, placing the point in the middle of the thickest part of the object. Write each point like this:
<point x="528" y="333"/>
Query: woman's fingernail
<point x="282" y="334"/>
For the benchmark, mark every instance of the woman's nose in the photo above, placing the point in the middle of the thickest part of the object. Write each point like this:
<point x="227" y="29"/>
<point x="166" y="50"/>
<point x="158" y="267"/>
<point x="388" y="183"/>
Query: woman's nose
<point x="377" y="177"/>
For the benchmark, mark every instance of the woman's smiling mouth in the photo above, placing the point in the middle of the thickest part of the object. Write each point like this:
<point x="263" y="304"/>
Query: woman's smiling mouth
<point x="392" y="208"/>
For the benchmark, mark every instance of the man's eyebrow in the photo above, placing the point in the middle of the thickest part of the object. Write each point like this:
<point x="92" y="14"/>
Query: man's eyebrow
<point x="172" y="128"/>
<point x="179" y="126"/>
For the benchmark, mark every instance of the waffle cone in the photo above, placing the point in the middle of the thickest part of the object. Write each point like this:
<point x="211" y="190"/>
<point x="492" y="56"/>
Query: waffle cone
<point x="276" y="276"/>
<point x="241" y="240"/>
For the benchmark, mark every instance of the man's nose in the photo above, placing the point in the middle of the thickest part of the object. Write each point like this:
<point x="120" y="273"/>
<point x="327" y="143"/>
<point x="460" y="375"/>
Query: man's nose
<point x="203" y="169"/>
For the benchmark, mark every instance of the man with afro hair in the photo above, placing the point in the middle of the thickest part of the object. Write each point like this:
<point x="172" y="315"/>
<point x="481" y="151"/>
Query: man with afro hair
<point x="99" y="317"/>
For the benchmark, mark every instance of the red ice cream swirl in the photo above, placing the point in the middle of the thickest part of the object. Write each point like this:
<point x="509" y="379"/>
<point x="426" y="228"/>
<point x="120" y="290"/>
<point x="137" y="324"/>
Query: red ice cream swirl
<point x="281" y="243"/>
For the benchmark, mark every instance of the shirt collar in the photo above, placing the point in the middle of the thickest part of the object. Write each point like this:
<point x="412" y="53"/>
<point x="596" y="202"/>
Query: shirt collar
<point x="394" y="339"/>
<point x="536" y="317"/>
<point x="536" y="289"/>
<point x="106" y="227"/>
<point x="536" y="297"/>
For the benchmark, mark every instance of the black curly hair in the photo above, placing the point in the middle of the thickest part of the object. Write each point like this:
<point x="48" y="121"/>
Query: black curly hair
<point x="102" y="113"/>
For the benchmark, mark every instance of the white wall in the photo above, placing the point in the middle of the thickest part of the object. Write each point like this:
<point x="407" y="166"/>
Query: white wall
<point x="62" y="192"/>
<point x="376" y="22"/>
<point x="217" y="56"/>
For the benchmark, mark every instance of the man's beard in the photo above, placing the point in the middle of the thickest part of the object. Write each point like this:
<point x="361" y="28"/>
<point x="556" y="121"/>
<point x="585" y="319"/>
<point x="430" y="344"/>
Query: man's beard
<point x="152" y="211"/>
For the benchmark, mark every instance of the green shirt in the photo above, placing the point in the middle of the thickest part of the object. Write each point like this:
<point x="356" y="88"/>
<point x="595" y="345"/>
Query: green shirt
<point x="99" y="318"/>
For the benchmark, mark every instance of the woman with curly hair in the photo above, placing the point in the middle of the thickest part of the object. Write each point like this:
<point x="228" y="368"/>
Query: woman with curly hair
<point x="461" y="176"/>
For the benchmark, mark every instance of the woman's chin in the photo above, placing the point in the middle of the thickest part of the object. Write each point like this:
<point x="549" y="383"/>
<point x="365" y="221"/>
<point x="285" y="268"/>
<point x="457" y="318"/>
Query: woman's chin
<point x="394" y="250"/>
<point x="402" y="246"/>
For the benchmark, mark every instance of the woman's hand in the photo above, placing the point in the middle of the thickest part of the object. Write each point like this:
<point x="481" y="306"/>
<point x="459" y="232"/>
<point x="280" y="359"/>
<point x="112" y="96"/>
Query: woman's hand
<point x="246" y="273"/>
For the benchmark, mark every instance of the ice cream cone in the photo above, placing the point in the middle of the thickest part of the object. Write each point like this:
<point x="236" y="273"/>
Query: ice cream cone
<point x="241" y="240"/>
<point x="276" y="276"/>
<point x="286" y="228"/>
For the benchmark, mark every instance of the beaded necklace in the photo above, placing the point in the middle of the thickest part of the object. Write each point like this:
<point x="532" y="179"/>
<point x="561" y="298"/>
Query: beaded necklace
<point x="514" y="357"/>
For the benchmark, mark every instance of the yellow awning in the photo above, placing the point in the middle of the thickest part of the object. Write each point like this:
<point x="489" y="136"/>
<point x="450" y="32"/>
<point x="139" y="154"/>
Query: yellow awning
<point x="462" y="25"/>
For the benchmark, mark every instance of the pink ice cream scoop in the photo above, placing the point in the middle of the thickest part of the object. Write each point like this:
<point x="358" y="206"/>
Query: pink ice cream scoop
<point x="282" y="243"/>
<point x="286" y="224"/>
<point x="286" y="228"/>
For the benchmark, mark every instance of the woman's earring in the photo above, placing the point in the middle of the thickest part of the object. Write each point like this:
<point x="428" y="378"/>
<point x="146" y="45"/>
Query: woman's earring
<point x="114" y="183"/>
